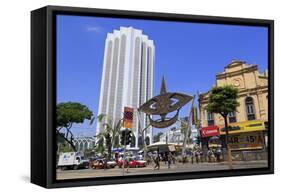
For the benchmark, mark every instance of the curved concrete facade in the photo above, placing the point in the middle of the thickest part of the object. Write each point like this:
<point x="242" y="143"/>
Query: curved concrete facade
<point x="127" y="77"/>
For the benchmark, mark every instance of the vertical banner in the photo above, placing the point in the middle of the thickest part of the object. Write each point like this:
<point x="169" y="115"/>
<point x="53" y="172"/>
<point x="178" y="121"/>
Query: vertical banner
<point x="128" y="117"/>
<point x="194" y="115"/>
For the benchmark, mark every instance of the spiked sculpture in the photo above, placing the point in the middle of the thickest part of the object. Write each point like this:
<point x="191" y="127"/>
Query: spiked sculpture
<point x="163" y="104"/>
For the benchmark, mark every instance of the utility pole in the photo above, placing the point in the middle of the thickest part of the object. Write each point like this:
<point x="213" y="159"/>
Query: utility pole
<point x="124" y="159"/>
<point x="143" y="135"/>
<point x="187" y="127"/>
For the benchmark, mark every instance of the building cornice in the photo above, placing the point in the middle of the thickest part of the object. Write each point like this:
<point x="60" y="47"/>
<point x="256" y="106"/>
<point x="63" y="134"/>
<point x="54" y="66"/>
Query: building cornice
<point x="237" y="72"/>
<point x="241" y="93"/>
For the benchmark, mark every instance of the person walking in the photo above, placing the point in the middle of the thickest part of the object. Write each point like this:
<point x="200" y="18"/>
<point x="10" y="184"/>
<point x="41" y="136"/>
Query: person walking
<point x="192" y="156"/>
<point x="157" y="162"/>
<point x="218" y="154"/>
<point x="126" y="163"/>
<point x="169" y="159"/>
<point x="197" y="156"/>
<point x="104" y="163"/>
<point x="174" y="159"/>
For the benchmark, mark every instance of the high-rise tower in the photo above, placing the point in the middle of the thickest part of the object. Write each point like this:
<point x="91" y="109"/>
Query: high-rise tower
<point x="127" y="77"/>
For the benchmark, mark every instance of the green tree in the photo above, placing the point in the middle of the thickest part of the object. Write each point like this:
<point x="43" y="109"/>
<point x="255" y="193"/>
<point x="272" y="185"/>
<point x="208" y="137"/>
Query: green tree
<point x="88" y="153"/>
<point x="64" y="147"/>
<point x="156" y="138"/>
<point x="69" y="113"/>
<point x="109" y="135"/>
<point x="223" y="100"/>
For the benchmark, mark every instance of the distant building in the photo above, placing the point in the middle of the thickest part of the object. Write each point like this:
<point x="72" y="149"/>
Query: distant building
<point x="174" y="134"/>
<point x="127" y="77"/>
<point x="83" y="143"/>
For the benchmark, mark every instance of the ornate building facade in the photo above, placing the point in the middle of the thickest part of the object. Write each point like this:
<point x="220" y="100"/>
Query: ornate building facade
<point x="253" y="94"/>
<point x="248" y="124"/>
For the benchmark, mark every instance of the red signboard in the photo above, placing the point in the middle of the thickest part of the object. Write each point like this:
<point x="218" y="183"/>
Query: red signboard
<point x="128" y="117"/>
<point x="209" y="131"/>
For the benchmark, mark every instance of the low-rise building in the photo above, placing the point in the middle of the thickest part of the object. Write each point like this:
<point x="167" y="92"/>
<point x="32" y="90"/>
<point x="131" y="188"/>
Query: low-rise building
<point x="248" y="123"/>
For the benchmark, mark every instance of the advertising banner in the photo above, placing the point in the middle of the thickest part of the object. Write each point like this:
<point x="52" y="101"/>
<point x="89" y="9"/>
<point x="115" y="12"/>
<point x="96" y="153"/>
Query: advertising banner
<point x="253" y="140"/>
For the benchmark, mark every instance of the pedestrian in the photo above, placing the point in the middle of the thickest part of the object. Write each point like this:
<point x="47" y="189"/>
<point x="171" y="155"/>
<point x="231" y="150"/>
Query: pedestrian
<point x="197" y="156"/>
<point x="192" y="156"/>
<point x="166" y="158"/>
<point x="218" y="154"/>
<point x="157" y="162"/>
<point x="174" y="159"/>
<point x="105" y="163"/>
<point x="169" y="159"/>
<point x="127" y="164"/>
<point x="201" y="155"/>
<point x="184" y="158"/>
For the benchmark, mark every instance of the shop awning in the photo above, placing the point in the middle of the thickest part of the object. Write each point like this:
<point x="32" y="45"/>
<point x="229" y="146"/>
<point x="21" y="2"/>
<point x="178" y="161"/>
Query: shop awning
<point x="244" y="127"/>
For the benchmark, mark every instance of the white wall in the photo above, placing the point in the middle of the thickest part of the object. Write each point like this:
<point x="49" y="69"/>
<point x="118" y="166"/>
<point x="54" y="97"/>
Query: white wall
<point x="15" y="94"/>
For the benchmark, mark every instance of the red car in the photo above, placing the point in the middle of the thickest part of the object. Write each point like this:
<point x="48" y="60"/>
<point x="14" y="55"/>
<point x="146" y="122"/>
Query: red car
<point x="132" y="163"/>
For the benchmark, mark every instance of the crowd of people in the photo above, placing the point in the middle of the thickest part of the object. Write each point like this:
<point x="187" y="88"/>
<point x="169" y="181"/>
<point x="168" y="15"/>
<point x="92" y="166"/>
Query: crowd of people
<point x="192" y="156"/>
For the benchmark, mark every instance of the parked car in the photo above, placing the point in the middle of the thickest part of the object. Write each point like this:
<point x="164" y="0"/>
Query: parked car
<point x="137" y="163"/>
<point x="111" y="164"/>
<point x="133" y="163"/>
<point x="100" y="164"/>
<point x="97" y="164"/>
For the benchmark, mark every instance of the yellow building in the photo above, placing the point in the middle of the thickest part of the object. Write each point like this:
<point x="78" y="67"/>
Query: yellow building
<point x="253" y="94"/>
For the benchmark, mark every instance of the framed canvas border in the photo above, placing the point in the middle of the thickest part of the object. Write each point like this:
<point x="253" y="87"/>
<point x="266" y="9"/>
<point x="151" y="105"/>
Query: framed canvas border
<point x="43" y="95"/>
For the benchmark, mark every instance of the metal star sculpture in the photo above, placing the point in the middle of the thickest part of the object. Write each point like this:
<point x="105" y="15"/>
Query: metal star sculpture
<point x="163" y="104"/>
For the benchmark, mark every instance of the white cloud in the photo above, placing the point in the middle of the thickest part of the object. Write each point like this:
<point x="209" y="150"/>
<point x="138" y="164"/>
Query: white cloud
<point x="94" y="29"/>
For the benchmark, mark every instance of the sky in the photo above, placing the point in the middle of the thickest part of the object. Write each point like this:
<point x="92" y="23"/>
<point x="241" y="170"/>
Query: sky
<point x="188" y="55"/>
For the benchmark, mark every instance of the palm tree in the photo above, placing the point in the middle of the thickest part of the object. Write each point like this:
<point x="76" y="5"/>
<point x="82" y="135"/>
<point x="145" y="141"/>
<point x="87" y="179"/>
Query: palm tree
<point x="109" y="135"/>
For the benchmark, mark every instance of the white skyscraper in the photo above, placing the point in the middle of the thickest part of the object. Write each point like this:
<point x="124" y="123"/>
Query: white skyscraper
<point x="127" y="77"/>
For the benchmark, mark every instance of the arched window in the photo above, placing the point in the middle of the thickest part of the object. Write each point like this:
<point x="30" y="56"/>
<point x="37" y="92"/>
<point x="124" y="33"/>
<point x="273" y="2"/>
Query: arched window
<point x="232" y="117"/>
<point x="81" y="146"/>
<point x="250" y="108"/>
<point x="77" y="145"/>
<point x="86" y="146"/>
<point x="210" y="118"/>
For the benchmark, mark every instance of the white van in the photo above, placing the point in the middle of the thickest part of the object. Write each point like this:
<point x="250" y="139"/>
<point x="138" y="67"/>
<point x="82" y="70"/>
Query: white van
<point x="72" y="160"/>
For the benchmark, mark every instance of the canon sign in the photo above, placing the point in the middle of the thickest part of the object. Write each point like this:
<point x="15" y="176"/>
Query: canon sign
<point x="209" y="131"/>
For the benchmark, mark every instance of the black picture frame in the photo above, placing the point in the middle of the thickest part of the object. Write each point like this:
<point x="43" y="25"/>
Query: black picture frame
<point x="43" y="95"/>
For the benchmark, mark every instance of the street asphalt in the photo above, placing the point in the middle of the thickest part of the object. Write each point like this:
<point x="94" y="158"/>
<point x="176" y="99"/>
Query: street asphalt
<point x="178" y="167"/>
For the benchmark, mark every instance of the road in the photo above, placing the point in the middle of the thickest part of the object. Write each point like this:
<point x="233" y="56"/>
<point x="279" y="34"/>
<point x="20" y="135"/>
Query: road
<point x="178" y="167"/>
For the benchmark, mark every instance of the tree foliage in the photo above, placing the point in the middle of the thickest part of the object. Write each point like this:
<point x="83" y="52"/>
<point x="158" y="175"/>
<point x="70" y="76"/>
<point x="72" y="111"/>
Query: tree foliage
<point x="156" y="138"/>
<point x="109" y="135"/>
<point x="72" y="112"/>
<point x="64" y="148"/>
<point x="223" y="100"/>
<point x="69" y="113"/>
